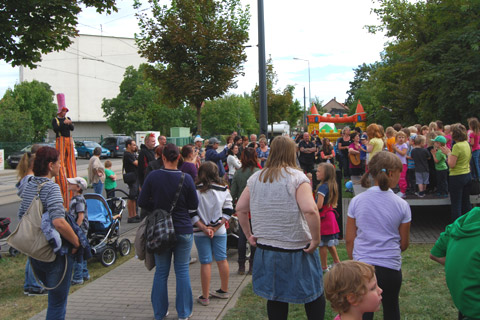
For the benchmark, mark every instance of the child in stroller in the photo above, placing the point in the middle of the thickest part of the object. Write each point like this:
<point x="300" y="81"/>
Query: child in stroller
<point x="4" y="233"/>
<point x="104" y="230"/>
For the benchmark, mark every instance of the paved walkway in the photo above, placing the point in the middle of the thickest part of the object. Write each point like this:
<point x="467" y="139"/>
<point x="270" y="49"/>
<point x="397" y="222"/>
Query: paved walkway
<point x="124" y="293"/>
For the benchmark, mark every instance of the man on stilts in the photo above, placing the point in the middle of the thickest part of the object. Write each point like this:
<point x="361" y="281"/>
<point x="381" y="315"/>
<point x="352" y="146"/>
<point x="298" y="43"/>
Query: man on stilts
<point x="62" y="125"/>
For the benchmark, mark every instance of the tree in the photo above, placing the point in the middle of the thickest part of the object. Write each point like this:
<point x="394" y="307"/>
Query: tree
<point x="430" y="67"/>
<point x="279" y="102"/>
<point x="30" y="28"/>
<point x="229" y="113"/>
<point x="139" y="106"/>
<point x="15" y="126"/>
<point x="33" y="101"/>
<point x="198" y="48"/>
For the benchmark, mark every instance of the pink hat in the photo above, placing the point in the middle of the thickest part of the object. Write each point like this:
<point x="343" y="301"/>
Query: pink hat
<point x="61" y="103"/>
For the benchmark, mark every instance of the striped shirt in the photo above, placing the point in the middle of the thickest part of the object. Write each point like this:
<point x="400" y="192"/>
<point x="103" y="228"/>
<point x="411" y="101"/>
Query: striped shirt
<point x="50" y="196"/>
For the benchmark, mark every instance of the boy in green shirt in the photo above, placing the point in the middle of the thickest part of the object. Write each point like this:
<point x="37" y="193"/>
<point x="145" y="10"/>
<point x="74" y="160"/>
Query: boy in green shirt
<point x="440" y="166"/>
<point x="110" y="177"/>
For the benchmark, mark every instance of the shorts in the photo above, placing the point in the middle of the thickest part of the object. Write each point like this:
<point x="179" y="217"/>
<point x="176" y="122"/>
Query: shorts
<point x="133" y="191"/>
<point x="422" y="177"/>
<point x="329" y="240"/>
<point x="206" y="246"/>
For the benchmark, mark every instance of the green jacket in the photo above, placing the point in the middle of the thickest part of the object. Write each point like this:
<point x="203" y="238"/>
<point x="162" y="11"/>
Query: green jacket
<point x="460" y="244"/>
<point x="239" y="181"/>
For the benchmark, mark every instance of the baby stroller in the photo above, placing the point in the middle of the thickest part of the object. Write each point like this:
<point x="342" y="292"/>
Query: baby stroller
<point x="4" y="233"/>
<point x="104" y="218"/>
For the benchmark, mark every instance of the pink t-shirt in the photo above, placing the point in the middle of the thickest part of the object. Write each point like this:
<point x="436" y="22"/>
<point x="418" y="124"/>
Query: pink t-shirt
<point x="476" y="139"/>
<point x="449" y="141"/>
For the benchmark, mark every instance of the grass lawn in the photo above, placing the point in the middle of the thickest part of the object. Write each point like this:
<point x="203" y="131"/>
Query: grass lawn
<point x="15" y="305"/>
<point x="424" y="294"/>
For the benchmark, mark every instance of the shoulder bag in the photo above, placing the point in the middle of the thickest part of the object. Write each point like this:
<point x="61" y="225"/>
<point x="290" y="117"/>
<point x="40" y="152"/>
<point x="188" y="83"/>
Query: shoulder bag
<point x="129" y="177"/>
<point x="160" y="232"/>
<point x="28" y="237"/>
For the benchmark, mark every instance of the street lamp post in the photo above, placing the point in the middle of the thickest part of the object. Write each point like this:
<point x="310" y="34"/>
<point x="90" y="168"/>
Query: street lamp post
<point x="309" y="91"/>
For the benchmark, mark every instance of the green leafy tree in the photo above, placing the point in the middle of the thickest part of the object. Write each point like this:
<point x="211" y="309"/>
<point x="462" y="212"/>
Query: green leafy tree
<point x="34" y="102"/>
<point x="30" y="28"/>
<point x="198" y="48"/>
<point x="229" y="113"/>
<point x="431" y="65"/>
<point x="279" y="102"/>
<point x="15" y="126"/>
<point x="139" y="106"/>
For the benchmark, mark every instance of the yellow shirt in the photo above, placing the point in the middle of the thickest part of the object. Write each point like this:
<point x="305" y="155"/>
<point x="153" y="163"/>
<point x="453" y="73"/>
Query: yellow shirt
<point x="462" y="151"/>
<point x="377" y="144"/>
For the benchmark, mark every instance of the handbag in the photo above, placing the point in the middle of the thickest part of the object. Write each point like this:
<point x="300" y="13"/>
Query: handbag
<point x="130" y="177"/>
<point x="28" y="237"/>
<point x="160" y="232"/>
<point x="140" y="247"/>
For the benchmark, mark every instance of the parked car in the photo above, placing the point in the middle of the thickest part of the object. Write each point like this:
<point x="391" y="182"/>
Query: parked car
<point x="85" y="149"/>
<point x="116" y="144"/>
<point x="15" y="157"/>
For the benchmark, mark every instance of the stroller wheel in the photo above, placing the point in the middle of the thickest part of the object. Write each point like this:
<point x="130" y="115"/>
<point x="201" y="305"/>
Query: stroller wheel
<point x="13" y="252"/>
<point x="124" y="247"/>
<point x="108" y="256"/>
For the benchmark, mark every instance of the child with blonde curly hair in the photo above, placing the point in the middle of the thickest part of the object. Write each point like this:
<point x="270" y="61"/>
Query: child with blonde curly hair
<point x="351" y="287"/>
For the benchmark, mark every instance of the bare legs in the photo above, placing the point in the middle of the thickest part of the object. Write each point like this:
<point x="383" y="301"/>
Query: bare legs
<point x="323" y="255"/>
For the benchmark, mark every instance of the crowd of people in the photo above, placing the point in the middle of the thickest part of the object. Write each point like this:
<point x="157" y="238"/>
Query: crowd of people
<point x="258" y="179"/>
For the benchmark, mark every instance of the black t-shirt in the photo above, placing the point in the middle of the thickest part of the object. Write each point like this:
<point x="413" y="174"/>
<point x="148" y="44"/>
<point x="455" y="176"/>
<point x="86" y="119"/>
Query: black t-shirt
<point x="420" y="156"/>
<point x="306" y="158"/>
<point x="60" y="128"/>
<point x="344" y="143"/>
<point x="128" y="159"/>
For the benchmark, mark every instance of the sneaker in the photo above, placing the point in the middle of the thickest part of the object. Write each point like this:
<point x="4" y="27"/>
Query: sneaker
<point x="186" y="317"/>
<point x="33" y="292"/>
<point x="193" y="260"/>
<point x="401" y="195"/>
<point x="241" y="270"/>
<point x="220" y="294"/>
<point x="135" y="219"/>
<point x="75" y="282"/>
<point x="421" y="195"/>
<point x="203" y="301"/>
<point x="166" y="315"/>
<point x="86" y="278"/>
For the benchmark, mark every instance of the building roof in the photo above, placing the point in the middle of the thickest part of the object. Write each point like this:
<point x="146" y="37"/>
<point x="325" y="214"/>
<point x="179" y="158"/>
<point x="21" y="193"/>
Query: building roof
<point x="334" y="104"/>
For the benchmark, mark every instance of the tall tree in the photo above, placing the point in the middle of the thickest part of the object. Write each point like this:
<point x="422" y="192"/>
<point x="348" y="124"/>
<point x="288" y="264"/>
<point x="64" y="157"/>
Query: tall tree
<point x="197" y="45"/>
<point x="34" y="102"/>
<point x="431" y="65"/>
<point x="15" y="126"/>
<point x="229" y="113"/>
<point x="139" y="106"/>
<point x="279" y="102"/>
<point x="29" y="28"/>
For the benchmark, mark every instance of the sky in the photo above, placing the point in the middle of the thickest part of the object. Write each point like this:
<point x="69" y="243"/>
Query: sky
<point x="331" y="35"/>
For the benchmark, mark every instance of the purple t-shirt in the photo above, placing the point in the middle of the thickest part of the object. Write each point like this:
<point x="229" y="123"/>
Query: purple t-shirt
<point x="378" y="215"/>
<point x="402" y="147"/>
<point x="189" y="168"/>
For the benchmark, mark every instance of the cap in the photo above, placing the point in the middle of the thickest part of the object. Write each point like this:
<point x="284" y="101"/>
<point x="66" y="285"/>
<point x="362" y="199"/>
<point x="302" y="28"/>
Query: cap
<point x="81" y="182"/>
<point x="198" y="138"/>
<point x="363" y="137"/>
<point x="213" y="140"/>
<point x="440" y="139"/>
<point x="413" y="136"/>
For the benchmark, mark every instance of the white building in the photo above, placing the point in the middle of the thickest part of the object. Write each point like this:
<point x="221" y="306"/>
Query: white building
<point x="87" y="72"/>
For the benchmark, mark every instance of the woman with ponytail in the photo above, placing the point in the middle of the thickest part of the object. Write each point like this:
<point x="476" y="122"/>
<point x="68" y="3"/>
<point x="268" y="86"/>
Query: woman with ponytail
<point x="378" y="229"/>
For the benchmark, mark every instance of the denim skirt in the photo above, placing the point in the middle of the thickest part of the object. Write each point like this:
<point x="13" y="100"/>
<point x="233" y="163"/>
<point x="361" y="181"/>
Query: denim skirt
<point x="292" y="277"/>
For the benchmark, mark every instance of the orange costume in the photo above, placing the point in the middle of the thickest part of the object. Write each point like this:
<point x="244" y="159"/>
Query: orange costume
<point x="64" y="145"/>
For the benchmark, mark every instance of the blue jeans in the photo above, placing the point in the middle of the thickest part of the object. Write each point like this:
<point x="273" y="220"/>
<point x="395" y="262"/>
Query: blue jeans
<point x="80" y="270"/>
<point x="459" y="187"/>
<point x="181" y="260"/>
<point x="98" y="187"/>
<point x="475" y="163"/>
<point x="50" y="274"/>
<point x="30" y="282"/>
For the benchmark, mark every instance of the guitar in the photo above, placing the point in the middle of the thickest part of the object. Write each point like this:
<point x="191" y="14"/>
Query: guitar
<point x="354" y="158"/>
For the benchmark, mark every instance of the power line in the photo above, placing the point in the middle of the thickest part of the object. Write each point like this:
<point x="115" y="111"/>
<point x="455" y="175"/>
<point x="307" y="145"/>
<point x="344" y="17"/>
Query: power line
<point x="78" y="74"/>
